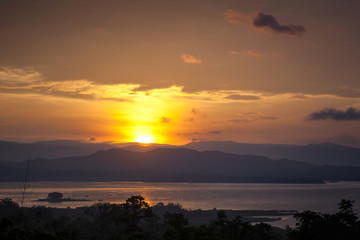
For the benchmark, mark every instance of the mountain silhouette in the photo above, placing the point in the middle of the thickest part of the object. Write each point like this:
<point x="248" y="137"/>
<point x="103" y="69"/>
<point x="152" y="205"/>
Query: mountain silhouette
<point x="13" y="151"/>
<point x="178" y="164"/>
<point x="319" y="154"/>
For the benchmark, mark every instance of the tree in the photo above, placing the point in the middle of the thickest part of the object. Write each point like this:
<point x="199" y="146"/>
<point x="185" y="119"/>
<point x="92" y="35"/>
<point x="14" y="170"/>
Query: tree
<point x="55" y="197"/>
<point x="341" y="225"/>
<point x="25" y="184"/>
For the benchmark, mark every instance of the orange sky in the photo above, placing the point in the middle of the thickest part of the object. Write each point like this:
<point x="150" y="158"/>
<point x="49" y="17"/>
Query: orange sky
<point x="179" y="71"/>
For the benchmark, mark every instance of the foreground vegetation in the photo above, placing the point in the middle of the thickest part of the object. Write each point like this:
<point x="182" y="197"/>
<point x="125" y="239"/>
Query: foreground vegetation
<point x="135" y="219"/>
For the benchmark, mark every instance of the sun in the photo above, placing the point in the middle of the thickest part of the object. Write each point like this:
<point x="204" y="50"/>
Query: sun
<point x="144" y="139"/>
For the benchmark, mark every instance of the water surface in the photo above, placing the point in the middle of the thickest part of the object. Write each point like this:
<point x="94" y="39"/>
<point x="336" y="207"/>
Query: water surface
<point x="237" y="196"/>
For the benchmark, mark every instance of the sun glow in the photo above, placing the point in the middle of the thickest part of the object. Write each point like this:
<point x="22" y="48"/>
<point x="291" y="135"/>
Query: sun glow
<point x="144" y="139"/>
<point x="154" y="116"/>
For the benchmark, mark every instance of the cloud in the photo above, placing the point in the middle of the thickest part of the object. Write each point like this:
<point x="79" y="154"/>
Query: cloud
<point x="190" y="59"/>
<point x="254" y="53"/>
<point x="92" y="139"/>
<point x="238" y="120"/>
<point x="18" y="76"/>
<point x="269" y="22"/>
<point x="269" y="118"/>
<point x="195" y="111"/>
<point x="234" y="52"/>
<point x="250" y="113"/>
<point x="264" y="21"/>
<point x="242" y="97"/>
<point x="252" y="117"/>
<point x="235" y="17"/>
<point x="300" y="97"/>
<point x="250" y="52"/>
<point x="189" y="119"/>
<point x="165" y="120"/>
<point x="100" y="30"/>
<point x="337" y="115"/>
<point x="215" y="132"/>
<point x="27" y="80"/>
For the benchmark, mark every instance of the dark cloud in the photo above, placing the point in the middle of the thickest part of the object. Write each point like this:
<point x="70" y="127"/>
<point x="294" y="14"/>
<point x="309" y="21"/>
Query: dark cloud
<point x="195" y="111"/>
<point x="251" y="113"/>
<point x="165" y="120"/>
<point x="215" y="132"/>
<point x="268" y="21"/>
<point x="92" y="139"/>
<point x="237" y="120"/>
<point x="188" y="133"/>
<point x="189" y="119"/>
<point x="252" y="117"/>
<point x="269" y="118"/>
<point x="242" y="97"/>
<point x="338" y="115"/>
<point x="300" y="97"/>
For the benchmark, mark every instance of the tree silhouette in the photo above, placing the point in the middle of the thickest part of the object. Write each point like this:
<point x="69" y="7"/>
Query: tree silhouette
<point x="341" y="225"/>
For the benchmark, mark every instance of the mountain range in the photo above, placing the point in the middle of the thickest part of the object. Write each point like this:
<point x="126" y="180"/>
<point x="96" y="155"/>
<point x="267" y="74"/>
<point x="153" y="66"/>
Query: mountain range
<point x="13" y="151"/>
<point x="207" y="161"/>
<point x="178" y="164"/>
<point x="318" y="154"/>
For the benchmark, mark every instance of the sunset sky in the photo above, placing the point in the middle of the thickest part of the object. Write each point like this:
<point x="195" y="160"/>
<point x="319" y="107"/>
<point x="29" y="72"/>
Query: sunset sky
<point x="164" y="71"/>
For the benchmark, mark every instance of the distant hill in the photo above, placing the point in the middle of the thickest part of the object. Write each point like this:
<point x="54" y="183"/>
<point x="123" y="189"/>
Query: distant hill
<point x="12" y="151"/>
<point x="140" y="147"/>
<point x="178" y="165"/>
<point x="319" y="154"/>
<point x="344" y="139"/>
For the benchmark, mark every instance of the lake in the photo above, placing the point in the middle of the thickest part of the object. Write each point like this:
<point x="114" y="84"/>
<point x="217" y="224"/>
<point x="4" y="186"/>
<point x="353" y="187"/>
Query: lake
<point x="237" y="196"/>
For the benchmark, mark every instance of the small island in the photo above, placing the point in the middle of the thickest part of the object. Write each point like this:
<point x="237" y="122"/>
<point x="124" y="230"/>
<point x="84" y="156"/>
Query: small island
<point x="57" y="197"/>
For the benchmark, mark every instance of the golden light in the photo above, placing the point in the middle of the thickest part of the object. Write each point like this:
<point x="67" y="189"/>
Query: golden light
<point x="144" y="139"/>
<point x="149" y="116"/>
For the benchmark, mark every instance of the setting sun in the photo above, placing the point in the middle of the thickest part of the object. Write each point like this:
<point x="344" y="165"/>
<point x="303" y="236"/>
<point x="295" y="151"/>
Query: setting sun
<point x="144" y="139"/>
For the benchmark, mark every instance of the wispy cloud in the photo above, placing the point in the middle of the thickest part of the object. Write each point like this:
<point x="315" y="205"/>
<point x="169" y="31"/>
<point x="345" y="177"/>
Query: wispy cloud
<point x="242" y="97"/>
<point x="215" y="132"/>
<point x="18" y="76"/>
<point x="235" y="17"/>
<point x="187" y="58"/>
<point x="254" y="53"/>
<point x="234" y="52"/>
<point x="195" y="111"/>
<point x="100" y="30"/>
<point x="334" y="114"/>
<point x="165" y="119"/>
<point x="252" y="117"/>
<point x="27" y="80"/>
<point x="238" y="120"/>
<point x="30" y="81"/>
<point x="269" y="118"/>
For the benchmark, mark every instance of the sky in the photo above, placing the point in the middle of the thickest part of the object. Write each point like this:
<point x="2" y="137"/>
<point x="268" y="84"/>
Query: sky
<point x="172" y="72"/>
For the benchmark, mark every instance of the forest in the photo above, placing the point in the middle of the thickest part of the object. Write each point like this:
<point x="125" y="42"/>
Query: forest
<point x="135" y="219"/>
